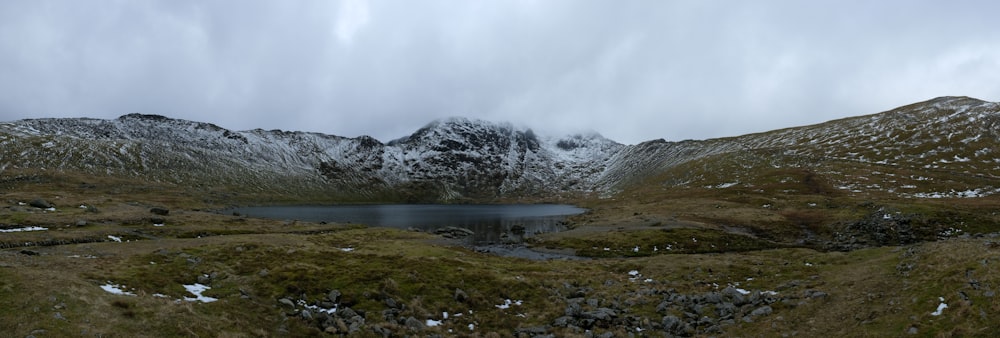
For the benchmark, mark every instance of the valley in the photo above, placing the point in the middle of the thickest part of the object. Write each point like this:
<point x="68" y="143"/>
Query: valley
<point x="877" y="225"/>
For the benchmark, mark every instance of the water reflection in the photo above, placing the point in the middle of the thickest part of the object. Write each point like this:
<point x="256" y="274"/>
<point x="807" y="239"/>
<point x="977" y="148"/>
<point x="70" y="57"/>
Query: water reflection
<point x="491" y="224"/>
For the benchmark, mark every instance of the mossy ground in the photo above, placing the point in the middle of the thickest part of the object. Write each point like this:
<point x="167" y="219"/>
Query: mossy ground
<point x="718" y="237"/>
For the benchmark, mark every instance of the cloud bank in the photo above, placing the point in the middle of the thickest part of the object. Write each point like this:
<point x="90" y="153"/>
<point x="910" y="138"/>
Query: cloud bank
<point x="633" y="71"/>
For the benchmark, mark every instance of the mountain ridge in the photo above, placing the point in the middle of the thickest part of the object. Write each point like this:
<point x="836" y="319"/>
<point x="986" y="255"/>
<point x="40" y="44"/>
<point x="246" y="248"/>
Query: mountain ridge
<point x="456" y="159"/>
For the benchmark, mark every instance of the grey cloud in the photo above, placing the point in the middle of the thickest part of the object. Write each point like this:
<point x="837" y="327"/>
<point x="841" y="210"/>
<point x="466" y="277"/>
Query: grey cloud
<point x="633" y="71"/>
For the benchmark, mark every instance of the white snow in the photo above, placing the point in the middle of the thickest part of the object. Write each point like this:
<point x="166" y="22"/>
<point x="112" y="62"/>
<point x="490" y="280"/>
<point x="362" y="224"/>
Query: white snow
<point x="115" y="238"/>
<point x="472" y="327"/>
<point x="348" y="249"/>
<point x="432" y="323"/>
<point x="31" y="228"/>
<point x="743" y="291"/>
<point x="196" y="289"/>
<point x="157" y="224"/>
<point x="116" y="289"/>
<point x="507" y="303"/>
<point x="940" y="307"/>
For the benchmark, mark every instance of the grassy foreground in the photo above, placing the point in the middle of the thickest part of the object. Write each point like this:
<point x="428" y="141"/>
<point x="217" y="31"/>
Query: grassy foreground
<point x="273" y="278"/>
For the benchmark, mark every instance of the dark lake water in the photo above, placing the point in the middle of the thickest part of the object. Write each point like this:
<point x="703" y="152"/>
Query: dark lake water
<point x="491" y="224"/>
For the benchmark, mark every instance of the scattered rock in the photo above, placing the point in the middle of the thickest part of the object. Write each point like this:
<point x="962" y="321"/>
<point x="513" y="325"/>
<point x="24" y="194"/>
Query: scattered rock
<point x="29" y="253"/>
<point x="159" y="211"/>
<point x="81" y="223"/>
<point x="286" y="302"/>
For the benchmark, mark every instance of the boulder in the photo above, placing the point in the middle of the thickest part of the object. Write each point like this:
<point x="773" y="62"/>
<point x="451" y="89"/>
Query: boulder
<point x="40" y="203"/>
<point x="159" y="211"/>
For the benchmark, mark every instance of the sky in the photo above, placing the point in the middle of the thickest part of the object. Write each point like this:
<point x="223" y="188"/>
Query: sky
<point x="630" y="70"/>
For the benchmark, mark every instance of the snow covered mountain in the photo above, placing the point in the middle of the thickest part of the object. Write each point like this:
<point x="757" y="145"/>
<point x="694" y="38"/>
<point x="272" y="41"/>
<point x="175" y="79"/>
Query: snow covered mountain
<point x="446" y="160"/>
<point x="462" y="159"/>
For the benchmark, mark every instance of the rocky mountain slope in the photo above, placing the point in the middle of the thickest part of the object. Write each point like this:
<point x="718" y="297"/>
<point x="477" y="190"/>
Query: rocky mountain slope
<point x="451" y="159"/>
<point x="461" y="159"/>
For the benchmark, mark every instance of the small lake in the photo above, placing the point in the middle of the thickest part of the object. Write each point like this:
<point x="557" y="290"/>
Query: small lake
<point x="491" y="223"/>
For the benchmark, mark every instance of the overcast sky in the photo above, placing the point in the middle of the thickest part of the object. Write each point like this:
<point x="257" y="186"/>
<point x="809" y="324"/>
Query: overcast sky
<point x="630" y="70"/>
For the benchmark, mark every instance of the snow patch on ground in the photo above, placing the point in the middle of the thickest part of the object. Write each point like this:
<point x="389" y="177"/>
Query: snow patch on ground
<point x="507" y="303"/>
<point x="116" y="289"/>
<point x="940" y="307"/>
<point x="32" y="228"/>
<point x="197" y="289"/>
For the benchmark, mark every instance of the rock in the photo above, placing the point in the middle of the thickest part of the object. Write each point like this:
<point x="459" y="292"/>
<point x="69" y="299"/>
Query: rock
<point x="593" y="302"/>
<point x="204" y="279"/>
<point x="29" y="253"/>
<point x="159" y="211"/>
<point x="40" y="203"/>
<point x="816" y="294"/>
<point x="378" y="330"/>
<point x="341" y="325"/>
<point x="347" y="313"/>
<point x="531" y="331"/>
<point x="460" y="296"/>
<point x="671" y="323"/>
<point x="391" y="303"/>
<point x="333" y="296"/>
<point x="306" y="314"/>
<point x="602" y="314"/>
<point x="712" y="298"/>
<point x="454" y="232"/>
<point x="726" y="310"/>
<point x="563" y="321"/>
<point x="157" y="220"/>
<point x="663" y="307"/>
<point x="59" y="316"/>
<point x="356" y="323"/>
<point x="286" y="302"/>
<point x="761" y="311"/>
<point x="573" y="309"/>
<point x="414" y="324"/>
<point x="913" y="330"/>
<point x="517" y="229"/>
<point x="81" y="223"/>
